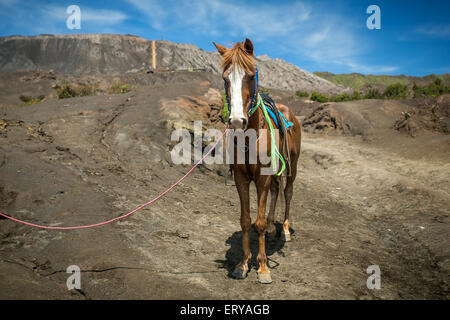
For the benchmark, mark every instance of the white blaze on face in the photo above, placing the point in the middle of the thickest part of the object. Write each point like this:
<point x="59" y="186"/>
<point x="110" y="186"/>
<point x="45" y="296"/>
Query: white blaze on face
<point x="237" y="107"/>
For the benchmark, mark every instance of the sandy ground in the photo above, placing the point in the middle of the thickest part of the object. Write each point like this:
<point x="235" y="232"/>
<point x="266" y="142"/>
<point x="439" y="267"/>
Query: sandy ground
<point x="358" y="201"/>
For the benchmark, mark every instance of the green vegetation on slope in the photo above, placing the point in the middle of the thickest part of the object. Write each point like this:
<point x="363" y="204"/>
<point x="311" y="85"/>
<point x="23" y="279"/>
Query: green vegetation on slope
<point x="434" y="89"/>
<point x="72" y="90"/>
<point x="395" y="91"/>
<point x="359" y="81"/>
<point x="28" y="101"/>
<point x="385" y="87"/>
<point x="118" y="87"/>
<point x="69" y="91"/>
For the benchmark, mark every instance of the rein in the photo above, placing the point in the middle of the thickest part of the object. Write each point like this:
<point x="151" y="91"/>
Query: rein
<point x="129" y="213"/>
<point x="274" y="152"/>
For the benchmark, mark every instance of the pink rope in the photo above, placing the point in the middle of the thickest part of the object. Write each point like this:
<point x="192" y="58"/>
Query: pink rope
<point x="125" y="215"/>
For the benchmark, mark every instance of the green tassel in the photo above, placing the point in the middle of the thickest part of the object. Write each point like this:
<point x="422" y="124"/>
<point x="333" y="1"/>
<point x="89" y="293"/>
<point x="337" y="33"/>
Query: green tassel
<point x="274" y="153"/>
<point x="225" y="108"/>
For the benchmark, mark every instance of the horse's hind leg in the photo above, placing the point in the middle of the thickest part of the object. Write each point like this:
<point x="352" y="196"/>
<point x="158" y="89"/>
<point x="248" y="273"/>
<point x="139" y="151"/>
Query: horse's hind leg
<point x="274" y="188"/>
<point x="288" y="191"/>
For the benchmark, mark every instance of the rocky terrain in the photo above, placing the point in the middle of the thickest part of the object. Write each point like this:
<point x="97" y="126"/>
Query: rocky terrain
<point x="367" y="195"/>
<point x="372" y="189"/>
<point x="114" y="55"/>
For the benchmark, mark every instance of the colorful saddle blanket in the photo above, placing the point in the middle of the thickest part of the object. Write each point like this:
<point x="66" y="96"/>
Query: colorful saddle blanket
<point x="275" y="114"/>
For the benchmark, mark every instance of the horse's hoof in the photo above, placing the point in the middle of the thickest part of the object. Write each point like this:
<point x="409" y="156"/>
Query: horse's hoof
<point x="272" y="233"/>
<point x="239" y="273"/>
<point x="286" y="237"/>
<point x="264" y="278"/>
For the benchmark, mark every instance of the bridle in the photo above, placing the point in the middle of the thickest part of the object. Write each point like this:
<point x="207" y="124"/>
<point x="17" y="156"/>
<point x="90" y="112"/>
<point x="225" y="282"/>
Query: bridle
<point x="253" y="105"/>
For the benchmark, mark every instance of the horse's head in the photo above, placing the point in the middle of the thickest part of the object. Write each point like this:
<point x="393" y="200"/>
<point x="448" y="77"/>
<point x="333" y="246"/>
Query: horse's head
<point x="238" y="66"/>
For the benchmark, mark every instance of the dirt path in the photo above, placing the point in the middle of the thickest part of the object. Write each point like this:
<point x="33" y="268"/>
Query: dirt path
<point x="356" y="203"/>
<point x="353" y="208"/>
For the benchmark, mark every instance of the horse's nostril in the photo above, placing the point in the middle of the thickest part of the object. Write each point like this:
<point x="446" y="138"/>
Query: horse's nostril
<point x="244" y="122"/>
<point x="229" y="121"/>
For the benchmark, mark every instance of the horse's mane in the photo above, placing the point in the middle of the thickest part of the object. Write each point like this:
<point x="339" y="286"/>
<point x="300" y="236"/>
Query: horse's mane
<point x="238" y="56"/>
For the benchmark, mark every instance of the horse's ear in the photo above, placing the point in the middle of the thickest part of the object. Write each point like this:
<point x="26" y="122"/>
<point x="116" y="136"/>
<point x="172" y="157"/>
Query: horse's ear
<point x="248" y="45"/>
<point x="220" y="48"/>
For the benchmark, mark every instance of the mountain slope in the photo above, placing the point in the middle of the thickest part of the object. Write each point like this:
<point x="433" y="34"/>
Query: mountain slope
<point x="118" y="54"/>
<point x="359" y="81"/>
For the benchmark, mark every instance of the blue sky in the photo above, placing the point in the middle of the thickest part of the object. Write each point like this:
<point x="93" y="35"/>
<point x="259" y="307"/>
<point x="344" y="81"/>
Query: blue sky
<point x="414" y="38"/>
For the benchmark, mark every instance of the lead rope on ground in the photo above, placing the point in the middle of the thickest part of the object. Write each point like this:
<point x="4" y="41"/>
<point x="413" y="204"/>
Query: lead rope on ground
<point x="129" y="213"/>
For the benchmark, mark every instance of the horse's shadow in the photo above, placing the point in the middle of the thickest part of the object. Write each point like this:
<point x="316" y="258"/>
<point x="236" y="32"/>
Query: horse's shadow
<point x="234" y="254"/>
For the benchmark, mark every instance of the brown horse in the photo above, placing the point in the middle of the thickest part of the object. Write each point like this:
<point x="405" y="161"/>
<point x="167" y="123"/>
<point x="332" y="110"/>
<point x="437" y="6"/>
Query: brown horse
<point x="239" y="69"/>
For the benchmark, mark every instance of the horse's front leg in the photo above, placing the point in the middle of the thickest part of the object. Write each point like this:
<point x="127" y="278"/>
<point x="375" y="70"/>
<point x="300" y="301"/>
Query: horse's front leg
<point x="262" y="187"/>
<point x="242" y="184"/>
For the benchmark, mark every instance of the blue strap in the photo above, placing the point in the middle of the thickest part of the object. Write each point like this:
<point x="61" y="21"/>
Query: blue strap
<point x="253" y="105"/>
<point x="287" y="124"/>
<point x="272" y="115"/>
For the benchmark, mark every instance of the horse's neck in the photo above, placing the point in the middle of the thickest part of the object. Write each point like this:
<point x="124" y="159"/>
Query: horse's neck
<point x="255" y="120"/>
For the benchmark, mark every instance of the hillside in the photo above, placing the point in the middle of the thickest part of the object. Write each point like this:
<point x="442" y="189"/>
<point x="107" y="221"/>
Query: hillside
<point x="372" y="186"/>
<point x="365" y="194"/>
<point x="111" y="55"/>
<point x="359" y="81"/>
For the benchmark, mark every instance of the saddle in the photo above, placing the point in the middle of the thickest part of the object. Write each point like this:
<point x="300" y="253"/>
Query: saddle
<point x="282" y="124"/>
<point x="280" y="120"/>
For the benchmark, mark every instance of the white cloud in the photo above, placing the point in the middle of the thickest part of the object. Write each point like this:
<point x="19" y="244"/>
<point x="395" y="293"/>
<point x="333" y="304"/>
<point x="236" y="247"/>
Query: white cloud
<point x="317" y="37"/>
<point x="95" y="16"/>
<point x="50" y="18"/>
<point x="434" y="31"/>
<point x="154" y="11"/>
<point x="361" y="68"/>
<point x="224" y="17"/>
<point x="304" y="29"/>
<point x="308" y="30"/>
<point x="103" y="16"/>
